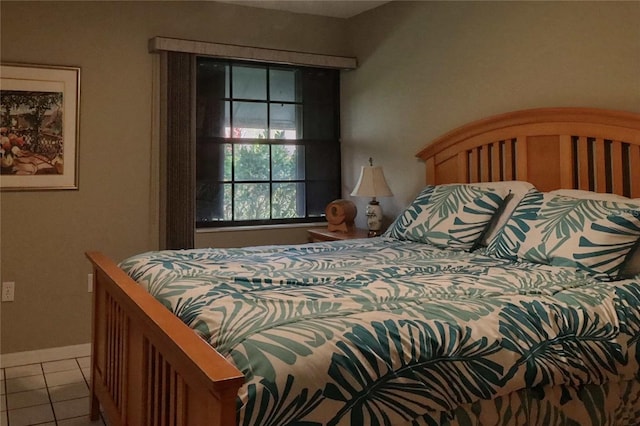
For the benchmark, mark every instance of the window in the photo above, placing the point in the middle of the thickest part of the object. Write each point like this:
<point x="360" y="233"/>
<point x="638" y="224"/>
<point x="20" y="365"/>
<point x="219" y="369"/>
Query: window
<point x="267" y="142"/>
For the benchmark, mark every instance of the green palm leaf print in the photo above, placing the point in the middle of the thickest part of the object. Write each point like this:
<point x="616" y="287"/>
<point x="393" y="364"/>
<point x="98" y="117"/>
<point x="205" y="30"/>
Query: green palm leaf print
<point x="479" y="208"/>
<point x="275" y="407"/>
<point x="609" y="245"/>
<point x="523" y="407"/>
<point x="411" y="213"/>
<point x="257" y="333"/>
<point x="557" y="344"/>
<point x="508" y="241"/>
<point x="442" y="367"/>
<point x="628" y="307"/>
<point x="449" y="199"/>
<point x="564" y="216"/>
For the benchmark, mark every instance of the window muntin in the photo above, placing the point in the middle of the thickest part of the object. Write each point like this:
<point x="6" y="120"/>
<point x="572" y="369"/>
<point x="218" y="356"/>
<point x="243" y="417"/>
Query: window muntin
<point x="267" y="143"/>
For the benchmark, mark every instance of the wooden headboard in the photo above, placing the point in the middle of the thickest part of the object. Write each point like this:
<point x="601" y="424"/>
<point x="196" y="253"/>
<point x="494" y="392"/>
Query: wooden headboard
<point x="574" y="148"/>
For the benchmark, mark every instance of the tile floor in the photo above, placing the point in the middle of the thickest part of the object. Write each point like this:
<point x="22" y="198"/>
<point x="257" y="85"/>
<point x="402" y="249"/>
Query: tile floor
<point x="52" y="393"/>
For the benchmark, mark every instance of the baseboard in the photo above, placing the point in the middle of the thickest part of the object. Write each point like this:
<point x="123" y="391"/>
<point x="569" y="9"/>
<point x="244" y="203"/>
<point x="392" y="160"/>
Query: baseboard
<point x="44" y="355"/>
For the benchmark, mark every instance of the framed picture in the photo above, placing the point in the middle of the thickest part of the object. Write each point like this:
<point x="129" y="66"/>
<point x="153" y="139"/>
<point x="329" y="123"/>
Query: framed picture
<point x="39" y="126"/>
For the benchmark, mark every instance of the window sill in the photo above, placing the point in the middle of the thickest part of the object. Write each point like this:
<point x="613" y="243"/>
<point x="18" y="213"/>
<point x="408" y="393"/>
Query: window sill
<point x="260" y="227"/>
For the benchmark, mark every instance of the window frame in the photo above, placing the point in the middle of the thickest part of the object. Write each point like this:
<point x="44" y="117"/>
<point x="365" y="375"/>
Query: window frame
<point x="331" y="143"/>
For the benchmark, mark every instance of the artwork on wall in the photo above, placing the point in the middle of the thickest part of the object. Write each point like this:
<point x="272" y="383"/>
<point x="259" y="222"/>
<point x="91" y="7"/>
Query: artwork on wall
<point x="39" y="123"/>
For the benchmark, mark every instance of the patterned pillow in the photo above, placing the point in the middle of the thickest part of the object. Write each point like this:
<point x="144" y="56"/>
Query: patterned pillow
<point x="447" y="216"/>
<point x="594" y="235"/>
<point x="631" y="266"/>
<point x="516" y="190"/>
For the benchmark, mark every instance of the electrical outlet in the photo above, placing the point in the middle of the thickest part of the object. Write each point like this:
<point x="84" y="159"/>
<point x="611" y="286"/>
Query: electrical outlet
<point x="8" y="291"/>
<point x="90" y="283"/>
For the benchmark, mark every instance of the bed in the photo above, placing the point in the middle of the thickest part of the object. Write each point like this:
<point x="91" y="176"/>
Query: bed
<point x="414" y="326"/>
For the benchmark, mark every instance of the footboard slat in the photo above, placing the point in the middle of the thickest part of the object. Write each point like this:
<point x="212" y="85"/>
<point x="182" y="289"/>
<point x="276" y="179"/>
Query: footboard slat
<point x="172" y="397"/>
<point x="180" y="404"/>
<point x="152" y="371"/>
<point x="116" y="329"/>
<point x="149" y="368"/>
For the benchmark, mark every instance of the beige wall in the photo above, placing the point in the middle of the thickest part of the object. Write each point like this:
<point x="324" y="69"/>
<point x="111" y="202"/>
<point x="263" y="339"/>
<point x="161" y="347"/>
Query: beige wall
<point x="425" y="67"/>
<point x="428" y="67"/>
<point x="44" y="234"/>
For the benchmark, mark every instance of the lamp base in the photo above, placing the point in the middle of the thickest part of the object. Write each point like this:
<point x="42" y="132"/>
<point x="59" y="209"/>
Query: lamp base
<point x="374" y="218"/>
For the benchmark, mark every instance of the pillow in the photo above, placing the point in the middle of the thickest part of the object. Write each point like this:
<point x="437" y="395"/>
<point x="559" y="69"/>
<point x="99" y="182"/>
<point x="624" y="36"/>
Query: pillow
<point x="447" y="216"/>
<point x="590" y="195"/>
<point x="517" y="190"/>
<point x="592" y="235"/>
<point x="631" y="266"/>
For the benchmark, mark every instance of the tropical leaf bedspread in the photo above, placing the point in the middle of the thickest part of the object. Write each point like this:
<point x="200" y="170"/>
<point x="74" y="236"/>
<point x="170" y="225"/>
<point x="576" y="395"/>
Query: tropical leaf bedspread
<point x="381" y="331"/>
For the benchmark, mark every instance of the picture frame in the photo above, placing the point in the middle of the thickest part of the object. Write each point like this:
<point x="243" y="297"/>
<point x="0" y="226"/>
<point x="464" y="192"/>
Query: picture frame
<point x="39" y="127"/>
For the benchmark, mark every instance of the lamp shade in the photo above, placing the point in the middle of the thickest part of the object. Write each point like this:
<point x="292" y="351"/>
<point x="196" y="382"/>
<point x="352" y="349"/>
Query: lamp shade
<point x="372" y="183"/>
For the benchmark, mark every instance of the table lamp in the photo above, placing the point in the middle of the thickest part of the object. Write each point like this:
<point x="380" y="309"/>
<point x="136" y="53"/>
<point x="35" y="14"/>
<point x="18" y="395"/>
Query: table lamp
<point x="372" y="184"/>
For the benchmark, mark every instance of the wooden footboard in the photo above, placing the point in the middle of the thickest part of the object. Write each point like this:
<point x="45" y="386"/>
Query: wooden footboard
<point x="148" y="367"/>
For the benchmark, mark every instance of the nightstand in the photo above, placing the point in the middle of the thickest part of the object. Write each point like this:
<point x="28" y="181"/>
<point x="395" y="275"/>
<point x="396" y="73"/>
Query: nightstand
<point x="323" y="234"/>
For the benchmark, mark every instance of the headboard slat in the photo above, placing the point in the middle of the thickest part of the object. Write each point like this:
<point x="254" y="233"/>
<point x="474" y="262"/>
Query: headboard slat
<point x="430" y="164"/>
<point x="473" y="166"/>
<point x="521" y="158"/>
<point x="508" y="160"/>
<point x="600" y="167"/>
<point x="617" y="167"/>
<point x="634" y="164"/>
<point x="485" y="163"/>
<point x="567" y="172"/>
<point x="583" y="163"/>
<point x="496" y="162"/>
<point x="586" y="148"/>
<point x="463" y="166"/>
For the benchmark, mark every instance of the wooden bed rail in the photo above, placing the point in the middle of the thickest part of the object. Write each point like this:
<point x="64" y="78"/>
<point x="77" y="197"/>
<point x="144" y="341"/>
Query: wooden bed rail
<point x="148" y="367"/>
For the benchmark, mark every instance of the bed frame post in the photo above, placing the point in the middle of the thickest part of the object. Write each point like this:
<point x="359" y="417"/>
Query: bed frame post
<point x="148" y="367"/>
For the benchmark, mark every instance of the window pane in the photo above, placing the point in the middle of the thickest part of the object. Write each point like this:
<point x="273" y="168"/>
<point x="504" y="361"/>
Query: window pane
<point x="228" y="202"/>
<point x="228" y="161"/>
<point x="210" y="160"/>
<point x="321" y="103"/>
<point x="249" y="82"/>
<point x="288" y="200"/>
<point x="287" y="162"/>
<point x="320" y="194"/>
<point x="283" y="85"/>
<point x="251" y="162"/>
<point x="212" y="118"/>
<point x="213" y="201"/>
<point x="320" y="121"/>
<point x="323" y="161"/>
<point x="213" y="78"/>
<point x="249" y="120"/>
<point x="252" y="201"/>
<point x="286" y="120"/>
<point x="319" y="86"/>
